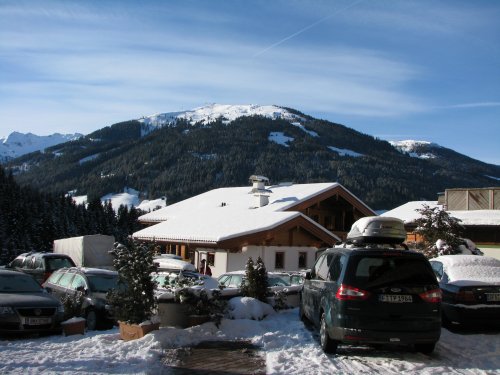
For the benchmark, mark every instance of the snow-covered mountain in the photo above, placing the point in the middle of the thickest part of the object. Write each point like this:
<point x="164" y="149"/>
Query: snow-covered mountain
<point x="213" y="112"/>
<point x="18" y="144"/>
<point x="417" y="149"/>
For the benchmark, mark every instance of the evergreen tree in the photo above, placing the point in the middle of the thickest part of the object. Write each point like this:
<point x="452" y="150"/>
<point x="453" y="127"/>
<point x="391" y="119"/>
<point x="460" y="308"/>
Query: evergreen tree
<point x="255" y="284"/>
<point x="440" y="231"/>
<point x="134" y="301"/>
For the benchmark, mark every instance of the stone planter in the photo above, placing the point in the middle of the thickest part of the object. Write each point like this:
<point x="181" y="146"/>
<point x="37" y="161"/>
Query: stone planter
<point x="136" y="331"/>
<point x="73" y="326"/>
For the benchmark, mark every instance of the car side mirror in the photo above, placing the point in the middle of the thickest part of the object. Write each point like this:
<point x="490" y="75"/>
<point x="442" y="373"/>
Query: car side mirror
<point x="48" y="290"/>
<point x="308" y="275"/>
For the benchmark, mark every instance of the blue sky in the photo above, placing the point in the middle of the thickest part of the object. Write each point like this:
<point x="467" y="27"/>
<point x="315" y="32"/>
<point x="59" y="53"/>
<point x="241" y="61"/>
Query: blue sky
<point x="425" y="70"/>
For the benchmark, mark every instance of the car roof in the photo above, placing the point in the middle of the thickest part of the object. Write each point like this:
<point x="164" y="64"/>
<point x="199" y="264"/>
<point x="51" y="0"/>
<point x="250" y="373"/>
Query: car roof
<point x="42" y="254"/>
<point x="87" y="271"/>
<point x="374" y="251"/>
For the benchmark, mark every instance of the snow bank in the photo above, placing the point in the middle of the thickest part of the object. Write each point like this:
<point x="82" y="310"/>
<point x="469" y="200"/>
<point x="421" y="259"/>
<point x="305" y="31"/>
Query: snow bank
<point x="248" y="308"/>
<point x="289" y="347"/>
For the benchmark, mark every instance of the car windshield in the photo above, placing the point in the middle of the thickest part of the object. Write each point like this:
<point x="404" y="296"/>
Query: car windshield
<point x="57" y="263"/>
<point x="18" y="284"/>
<point x="277" y="281"/>
<point x="102" y="283"/>
<point x="376" y="271"/>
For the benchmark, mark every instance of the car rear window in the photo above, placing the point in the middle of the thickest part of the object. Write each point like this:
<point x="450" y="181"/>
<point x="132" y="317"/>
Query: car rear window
<point x="376" y="271"/>
<point x="52" y="264"/>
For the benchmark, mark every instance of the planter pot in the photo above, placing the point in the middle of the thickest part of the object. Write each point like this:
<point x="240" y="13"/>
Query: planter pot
<point x="73" y="326"/>
<point x="136" y="331"/>
<point x="196" y="320"/>
<point x="173" y="314"/>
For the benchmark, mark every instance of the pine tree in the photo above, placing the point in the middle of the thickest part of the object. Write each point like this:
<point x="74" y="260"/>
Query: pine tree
<point x="134" y="301"/>
<point x="255" y="285"/>
<point x="436" y="224"/>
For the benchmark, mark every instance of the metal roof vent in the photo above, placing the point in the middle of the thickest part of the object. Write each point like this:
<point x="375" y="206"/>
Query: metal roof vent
<point x="259" y="191"/>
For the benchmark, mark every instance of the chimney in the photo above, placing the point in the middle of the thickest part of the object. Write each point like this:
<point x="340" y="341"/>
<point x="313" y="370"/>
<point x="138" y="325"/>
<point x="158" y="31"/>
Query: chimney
<point x="259" y="191"/>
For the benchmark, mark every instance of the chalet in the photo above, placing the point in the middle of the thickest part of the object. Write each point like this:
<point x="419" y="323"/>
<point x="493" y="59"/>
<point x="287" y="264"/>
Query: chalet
<point x="284" y="224"/>
<point x="477" y="209"/>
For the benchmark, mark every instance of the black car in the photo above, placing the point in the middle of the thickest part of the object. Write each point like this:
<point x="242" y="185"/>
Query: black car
<point x="373" y="294"/>
<point x="471" y="289"/>
<point x="95" y="283"/>
<point x="25" y="306"/>
<point x="40" y="265"/>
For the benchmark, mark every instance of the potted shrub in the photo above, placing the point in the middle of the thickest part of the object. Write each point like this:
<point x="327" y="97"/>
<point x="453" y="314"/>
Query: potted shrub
<point x="201" y="305"/>
<point x="134" y="302"/>
<point x="73" y="323"/>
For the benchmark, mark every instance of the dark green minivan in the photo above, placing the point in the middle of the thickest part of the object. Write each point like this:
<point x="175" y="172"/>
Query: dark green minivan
<point x="373" y="295"/>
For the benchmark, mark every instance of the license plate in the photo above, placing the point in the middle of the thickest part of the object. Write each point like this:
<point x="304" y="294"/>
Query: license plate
<point x="37" y="321"/>
<point x="493" y="297"/>
<point x="395" y="298"/>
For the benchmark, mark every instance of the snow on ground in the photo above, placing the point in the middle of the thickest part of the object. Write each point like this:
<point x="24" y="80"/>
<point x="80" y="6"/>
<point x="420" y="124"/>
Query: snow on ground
<point x="280" y="138"/>
<point x="345" y="152"/>
<point x="212" y="112"/>
<point x="288" y="345"/>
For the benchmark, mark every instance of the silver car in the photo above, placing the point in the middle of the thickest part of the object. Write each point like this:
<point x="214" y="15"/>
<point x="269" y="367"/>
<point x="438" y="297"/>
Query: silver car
<point x="25" y="306"/>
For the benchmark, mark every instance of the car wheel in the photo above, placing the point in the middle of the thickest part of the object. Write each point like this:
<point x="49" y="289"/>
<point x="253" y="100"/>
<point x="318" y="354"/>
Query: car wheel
<point x="327" y="344"/>
<point x="91" y="317"/>
<point x="425" y="348"/>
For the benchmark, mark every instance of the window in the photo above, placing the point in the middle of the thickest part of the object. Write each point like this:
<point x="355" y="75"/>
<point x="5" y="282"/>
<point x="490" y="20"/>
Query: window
<point x="78" y="282"/>
<point x="438" y="269"/>
<point x="65" y="280"/>
<point x="336" y="268"/>
<point x="302" y="260"/>
<point x="211" y="259"/>
<point x="322" y="273"/>
<point x="279" y="260"/>
<point x="39" y="263"/>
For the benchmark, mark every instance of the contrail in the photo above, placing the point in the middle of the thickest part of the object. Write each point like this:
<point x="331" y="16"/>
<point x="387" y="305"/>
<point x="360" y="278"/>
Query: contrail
<point x="306" y="28"/>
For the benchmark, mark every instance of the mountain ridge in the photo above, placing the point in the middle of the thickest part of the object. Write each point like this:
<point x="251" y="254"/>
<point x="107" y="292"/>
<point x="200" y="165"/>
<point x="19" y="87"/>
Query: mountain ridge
<point x="181" y="154"/>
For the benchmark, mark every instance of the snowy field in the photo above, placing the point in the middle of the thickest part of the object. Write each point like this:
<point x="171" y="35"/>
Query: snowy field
<point x="289" y="348"/>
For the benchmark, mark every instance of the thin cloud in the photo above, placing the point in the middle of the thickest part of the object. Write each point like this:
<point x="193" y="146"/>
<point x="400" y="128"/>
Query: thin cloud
<point x="474" y="105"/>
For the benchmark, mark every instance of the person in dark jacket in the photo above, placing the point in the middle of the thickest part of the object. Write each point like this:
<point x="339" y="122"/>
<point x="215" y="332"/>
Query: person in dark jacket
<point x="205" y="268"/>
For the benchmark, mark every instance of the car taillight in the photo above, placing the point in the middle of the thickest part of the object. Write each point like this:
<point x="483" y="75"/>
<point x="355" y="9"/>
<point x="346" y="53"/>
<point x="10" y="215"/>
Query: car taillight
<point x="349" y="293"/>
<point x="433" y="296"/>
<point x="465" y="296"/>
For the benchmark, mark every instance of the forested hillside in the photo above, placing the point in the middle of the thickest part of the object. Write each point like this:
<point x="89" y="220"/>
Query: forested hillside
<point x="180" y="160"/>
<point x="32" y="220"/>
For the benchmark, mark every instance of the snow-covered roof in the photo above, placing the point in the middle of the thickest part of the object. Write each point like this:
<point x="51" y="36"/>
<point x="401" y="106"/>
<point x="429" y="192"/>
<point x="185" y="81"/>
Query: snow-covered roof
<point x="226" y="213"/>
<point x="407" y="212"/>
<point x="470" y="269"/>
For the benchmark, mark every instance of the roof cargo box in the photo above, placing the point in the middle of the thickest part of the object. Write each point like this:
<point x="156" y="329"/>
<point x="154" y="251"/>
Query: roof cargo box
<point x="377" y="229"/>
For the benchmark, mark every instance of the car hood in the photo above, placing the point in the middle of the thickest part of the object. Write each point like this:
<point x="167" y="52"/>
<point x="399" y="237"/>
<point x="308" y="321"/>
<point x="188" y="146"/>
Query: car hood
<point x="28" y="300"/>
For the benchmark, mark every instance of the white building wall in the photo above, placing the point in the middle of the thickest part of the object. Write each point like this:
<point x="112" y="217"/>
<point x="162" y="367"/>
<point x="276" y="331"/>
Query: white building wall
<point x="226" y="261"/>
<point x="237" y="261"/>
